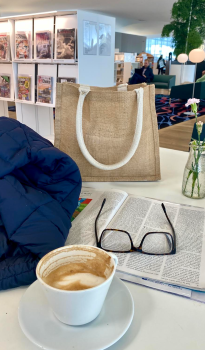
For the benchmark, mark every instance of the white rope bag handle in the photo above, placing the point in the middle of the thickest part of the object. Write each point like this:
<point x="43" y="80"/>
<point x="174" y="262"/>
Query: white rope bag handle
<point x="84" y="90"/>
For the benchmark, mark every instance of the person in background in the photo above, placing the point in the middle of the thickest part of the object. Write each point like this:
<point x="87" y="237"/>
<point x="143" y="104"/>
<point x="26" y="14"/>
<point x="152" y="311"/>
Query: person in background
<point x="202" y="79"/>
<point x="145" y="75"/>
<point x="161" y="65"/>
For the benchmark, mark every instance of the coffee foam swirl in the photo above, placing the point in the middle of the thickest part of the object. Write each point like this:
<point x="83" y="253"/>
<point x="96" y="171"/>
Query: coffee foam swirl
<point x="78" y="281"/>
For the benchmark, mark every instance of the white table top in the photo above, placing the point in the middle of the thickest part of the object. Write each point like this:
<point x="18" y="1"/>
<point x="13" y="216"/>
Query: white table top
<point x="161" y="321"/>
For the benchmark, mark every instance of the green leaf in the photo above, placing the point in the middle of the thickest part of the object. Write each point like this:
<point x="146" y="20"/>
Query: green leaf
<point x="179" y="25"/>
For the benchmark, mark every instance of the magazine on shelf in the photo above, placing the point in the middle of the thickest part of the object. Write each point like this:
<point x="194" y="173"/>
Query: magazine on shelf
<point x="65" y="44"/>
<point x="22" y="45"/>
<point x="44" y="89"/>
<point x="66" y="80"/>
<point x="5" y="81"/>
<point x="24" y="88"/>
<point x="43" y="44"/>
<point x="179" y="273"/>
<point x="4" y="47"/>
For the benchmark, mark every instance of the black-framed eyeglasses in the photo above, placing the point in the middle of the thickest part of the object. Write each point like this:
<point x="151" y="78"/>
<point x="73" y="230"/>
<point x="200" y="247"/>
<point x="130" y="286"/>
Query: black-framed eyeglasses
<point x="152" y="243"/>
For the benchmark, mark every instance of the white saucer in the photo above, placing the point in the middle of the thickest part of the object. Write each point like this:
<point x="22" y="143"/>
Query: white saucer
<point x="39" y="324"/>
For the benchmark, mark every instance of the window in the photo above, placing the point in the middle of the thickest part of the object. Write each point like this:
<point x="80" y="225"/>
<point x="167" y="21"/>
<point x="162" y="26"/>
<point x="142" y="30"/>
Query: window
<point x="160" y="46"/>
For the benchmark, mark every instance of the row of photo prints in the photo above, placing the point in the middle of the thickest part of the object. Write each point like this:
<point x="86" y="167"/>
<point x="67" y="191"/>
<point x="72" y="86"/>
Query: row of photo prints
<point x="44" y="87"/>
<point x="23" y="45"/>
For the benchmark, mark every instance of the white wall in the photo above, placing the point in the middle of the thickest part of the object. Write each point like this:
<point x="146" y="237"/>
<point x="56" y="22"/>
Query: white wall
<point x="184" y="73"/>
<point x="95" y="70"/>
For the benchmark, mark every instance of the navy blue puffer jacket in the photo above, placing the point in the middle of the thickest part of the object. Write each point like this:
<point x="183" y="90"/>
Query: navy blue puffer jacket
<point x="39" y="191"/>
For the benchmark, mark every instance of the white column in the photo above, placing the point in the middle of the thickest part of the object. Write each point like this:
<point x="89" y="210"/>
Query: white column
<point x="4" y="109"/>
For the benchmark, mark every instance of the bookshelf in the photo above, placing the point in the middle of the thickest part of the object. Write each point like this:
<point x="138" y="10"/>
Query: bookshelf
<point x="119" y="72"/>
<point x="85" y="69"/>
<point x="122" y="72"/>
<point x="123" y="67"/>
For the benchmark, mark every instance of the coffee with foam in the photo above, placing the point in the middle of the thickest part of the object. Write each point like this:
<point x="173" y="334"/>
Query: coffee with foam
<point x="82" y="269"/>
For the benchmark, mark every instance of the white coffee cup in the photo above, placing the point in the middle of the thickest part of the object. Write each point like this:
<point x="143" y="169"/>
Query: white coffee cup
<point x="75" y="307"/>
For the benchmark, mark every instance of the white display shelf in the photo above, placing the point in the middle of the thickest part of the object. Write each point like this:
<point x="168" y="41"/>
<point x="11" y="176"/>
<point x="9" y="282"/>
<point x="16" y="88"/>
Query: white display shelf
<point x="49" y="61"/>
<point x="68" y="62"/>
<point x="5" y="27"/>
<point x="43" y="25"/>
<point x="66" y="22"/>
<point x="45" y="104"/>
<point x="49" y="70"/>
<point x="7" y="99"/>
<point x="25" y="69"/>
<point x="23" y="101"/>
<point x="84" y="68"/>
<point x="68" y="72"/>
<point x="24" y="25"/>
<point x="7" y="70"/>
<point x="23" y="60"/>
<point x="35" y="103"/>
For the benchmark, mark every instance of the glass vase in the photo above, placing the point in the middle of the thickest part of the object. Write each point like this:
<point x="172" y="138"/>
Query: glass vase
<point x="193" y="185"/>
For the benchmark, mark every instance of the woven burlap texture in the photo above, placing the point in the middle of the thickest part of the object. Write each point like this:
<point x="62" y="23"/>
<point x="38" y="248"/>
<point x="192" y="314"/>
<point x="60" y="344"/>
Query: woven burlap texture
<point x="109" y="120"/>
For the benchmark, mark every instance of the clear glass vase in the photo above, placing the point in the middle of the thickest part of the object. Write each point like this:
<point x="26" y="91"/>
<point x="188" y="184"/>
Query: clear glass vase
<point x="193" y="185"/>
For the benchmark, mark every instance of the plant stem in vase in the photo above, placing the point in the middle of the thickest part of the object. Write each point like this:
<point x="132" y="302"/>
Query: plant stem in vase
<point x="193" y="185"/>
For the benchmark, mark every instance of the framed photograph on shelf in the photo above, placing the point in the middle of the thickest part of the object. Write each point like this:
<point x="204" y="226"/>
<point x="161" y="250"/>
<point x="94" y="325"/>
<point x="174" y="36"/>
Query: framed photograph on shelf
<point x="104" y="39"/>
<point x="5" y="81"/>
<point x="23" y="45"/>
<point x="4" y="47"/>
<point x="66" y="80"/>
<point x="24" y="88"/>
<point x="43" y="44"/>
<point x="44" y="89"/>
<point x="90" y="38"/>
<point x="66" y="42"/>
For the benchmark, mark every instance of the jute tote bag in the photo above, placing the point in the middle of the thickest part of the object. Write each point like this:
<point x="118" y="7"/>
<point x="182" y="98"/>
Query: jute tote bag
<point x="111" y="133"/>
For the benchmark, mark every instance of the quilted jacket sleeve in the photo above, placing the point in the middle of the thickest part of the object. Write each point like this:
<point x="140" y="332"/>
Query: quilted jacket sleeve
<point x="39" y="190"/>
<point x="38" y="224"/>
<point x="3" y="240"/>
<point x="18" y="270"/>
<point x="17" y="265"/>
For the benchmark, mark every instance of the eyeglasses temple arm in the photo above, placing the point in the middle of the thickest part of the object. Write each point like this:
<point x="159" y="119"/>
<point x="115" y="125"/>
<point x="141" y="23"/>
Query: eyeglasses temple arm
<point x="165" y="212"/>
<point x="96" y="220"/>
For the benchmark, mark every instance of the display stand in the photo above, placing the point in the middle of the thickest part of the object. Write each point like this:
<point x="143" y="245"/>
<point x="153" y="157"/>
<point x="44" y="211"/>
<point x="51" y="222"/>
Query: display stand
<point x="6" y="69"/>
<point x="51" y="71"/>
<point x="42" y="25"/>
<point x="7" y="26"/>
<point x="68" y="71"/>
<point x="26" y="70"/>
<point x="66" y="22"/>
<point x="94" y="70"/>
<point x="25" y="25"/>
<point x="39" y="118"/>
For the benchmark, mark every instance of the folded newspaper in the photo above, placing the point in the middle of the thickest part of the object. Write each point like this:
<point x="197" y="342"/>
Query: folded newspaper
<point x="180" y="273"/>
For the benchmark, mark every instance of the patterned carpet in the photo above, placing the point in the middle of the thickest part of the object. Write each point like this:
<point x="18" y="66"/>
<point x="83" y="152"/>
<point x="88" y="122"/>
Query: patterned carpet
<point x="174" y="113"/>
